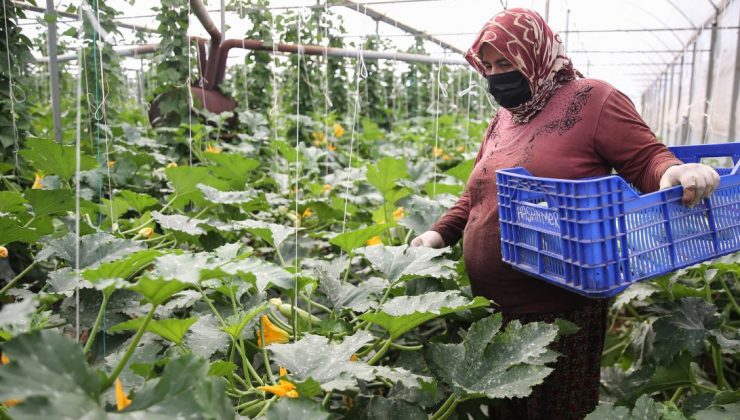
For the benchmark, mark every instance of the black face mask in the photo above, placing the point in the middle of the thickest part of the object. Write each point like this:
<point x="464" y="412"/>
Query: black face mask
<point x="509" y="89"/>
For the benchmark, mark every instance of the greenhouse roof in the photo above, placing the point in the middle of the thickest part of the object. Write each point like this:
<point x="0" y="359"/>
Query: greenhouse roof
<point x="628" y="43"/>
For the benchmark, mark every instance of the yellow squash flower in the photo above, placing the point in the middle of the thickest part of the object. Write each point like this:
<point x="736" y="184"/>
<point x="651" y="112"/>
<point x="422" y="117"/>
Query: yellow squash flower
<point x="122" y="401"/>
<point x="111" y="164"/>
<point x="172" y="165"/>
<point x="354" y="358"/>
<point x="307" y="213"/>
<point x="318" y="137"/>
<point x="4" y="360"/>
<point x="326" y="188"/>
<point x="213" y="149"/>
<point x="461" y="149"/>
<point x="146" y="232"/>
<point x="331" y="147"/>
<point x="375" y="240"/>
<point x="438" y="151"/>
<point x="283" y="388"/>
<point x="37" y="185"/>
<point x="446" y="157"/>
<point x="398" y="214"/>
<point x="272" y="333"/>
<point x="338" y="130"/>
<point x="3" y="254"/>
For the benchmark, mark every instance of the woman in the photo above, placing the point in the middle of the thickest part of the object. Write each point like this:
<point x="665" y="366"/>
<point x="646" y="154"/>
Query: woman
<point x="555" y="124"/>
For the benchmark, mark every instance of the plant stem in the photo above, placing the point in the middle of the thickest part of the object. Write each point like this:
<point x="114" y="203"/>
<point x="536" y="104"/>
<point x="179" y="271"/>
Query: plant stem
<point x="17" y="278"/>
<point x="130" y="351"/>
<point x="718" y="367"/>
<point x="407" y="348"/>
<point x="729" y="295"/>
<point x="444" y="411"/>
<point x="350" y="254"/>
<point x="327" y="399"/>
<point x="265" y="359"/>
<point x="677" y="394"/>
<point x="96" y="325"/>
<point x="381" y="352"/>
<point x="316" y="304"/>
<point x="247" y="364"/>
<point x="267" y="405"/>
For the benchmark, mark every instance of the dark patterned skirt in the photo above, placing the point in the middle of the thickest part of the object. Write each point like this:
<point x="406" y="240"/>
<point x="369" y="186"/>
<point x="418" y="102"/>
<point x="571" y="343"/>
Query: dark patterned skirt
<point x="571" y="391"/>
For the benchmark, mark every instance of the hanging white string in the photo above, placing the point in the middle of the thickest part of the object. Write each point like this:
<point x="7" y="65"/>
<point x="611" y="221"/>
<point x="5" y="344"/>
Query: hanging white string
<point x="190" y="92"/>
<point x="103" y="109"/>
<point x="244" y="66"/>
<point x="78" y="127"/>
<point x="296" y="336"/>
<point x="11" y="93"/>
<point x="436" y="149"/>
<point x="274" y="112"/>
<point x="360" y="72"/>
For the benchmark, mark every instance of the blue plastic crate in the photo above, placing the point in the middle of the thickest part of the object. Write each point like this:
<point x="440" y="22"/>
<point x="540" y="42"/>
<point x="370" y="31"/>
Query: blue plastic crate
<point x="599" y="235"/>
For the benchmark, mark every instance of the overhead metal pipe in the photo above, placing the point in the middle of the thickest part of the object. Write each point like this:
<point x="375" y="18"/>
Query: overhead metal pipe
<point x="200" y="11"/>
<point x="32" y="8"/>
<point x="121" y="51"/>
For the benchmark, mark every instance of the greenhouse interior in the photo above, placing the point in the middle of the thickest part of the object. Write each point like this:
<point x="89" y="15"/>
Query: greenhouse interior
<point x="382" y="209"/>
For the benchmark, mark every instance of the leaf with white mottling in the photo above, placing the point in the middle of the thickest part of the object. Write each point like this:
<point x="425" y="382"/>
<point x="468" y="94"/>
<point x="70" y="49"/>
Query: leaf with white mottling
<point x="205" y="337"/>
<point x="17" y="313"/>
<point x="179" y="223"/>
<point x="360" y="297"/>
<point x="329" y="364"/>
<point x="94" y="249"/>
<point x="227" y="197"/>
<point x="404" y="262"/>
<point x="270" y="232"/>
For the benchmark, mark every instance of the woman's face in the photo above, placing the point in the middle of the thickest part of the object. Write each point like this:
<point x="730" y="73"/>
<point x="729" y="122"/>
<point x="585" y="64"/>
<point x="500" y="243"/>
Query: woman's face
<point x="494" y="62"/>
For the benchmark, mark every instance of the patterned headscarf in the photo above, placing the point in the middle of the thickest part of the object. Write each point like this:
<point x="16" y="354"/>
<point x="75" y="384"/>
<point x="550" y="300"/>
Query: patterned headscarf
<point x="523" y="38"/>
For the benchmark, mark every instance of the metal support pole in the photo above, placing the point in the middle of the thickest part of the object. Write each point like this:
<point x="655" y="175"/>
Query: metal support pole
<point x="668" y="104"/>
<point x="547" y="10"/>
<point x="710" y="82"/>
<point x="687" y="118"/>
<point x="51" y="38"/>
<point x="677" y="137"/>
<point x="223" y="18"/>
<point x="735" y="84"/>
<point x="567" y="29"/>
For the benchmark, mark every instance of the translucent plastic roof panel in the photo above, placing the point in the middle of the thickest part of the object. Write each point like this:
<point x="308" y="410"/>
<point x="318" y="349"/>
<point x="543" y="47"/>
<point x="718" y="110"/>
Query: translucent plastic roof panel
<point x="627" y="43"/>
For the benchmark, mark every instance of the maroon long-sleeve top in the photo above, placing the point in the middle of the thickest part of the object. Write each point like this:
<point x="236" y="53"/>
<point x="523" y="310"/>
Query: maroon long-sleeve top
<point x="586" y="128"/>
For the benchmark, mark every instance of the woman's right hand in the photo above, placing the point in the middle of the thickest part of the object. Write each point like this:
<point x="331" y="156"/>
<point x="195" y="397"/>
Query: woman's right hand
<point x="430" y="238"/>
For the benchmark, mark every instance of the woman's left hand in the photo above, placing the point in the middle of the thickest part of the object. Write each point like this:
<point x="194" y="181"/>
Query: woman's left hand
<point x="698" y="181"/>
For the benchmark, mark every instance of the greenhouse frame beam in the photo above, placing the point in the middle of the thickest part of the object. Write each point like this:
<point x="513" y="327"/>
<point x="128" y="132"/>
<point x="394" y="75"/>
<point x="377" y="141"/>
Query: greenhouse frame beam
<point x="377" y="16"/>
<point x="51" y="39"/>
<point x="32" y="8"/>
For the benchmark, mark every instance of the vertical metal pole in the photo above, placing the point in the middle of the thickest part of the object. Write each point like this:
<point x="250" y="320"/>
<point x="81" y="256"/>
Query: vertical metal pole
<point x="567" y="28"/>
<point x="668" y="103"/>
<point x="51" y="38"/>
<point x="663" y="103"/>
<point x="223" y="18"/>
<point x="687" y="118"/>
<point x="547" y="10"/>
<point x="677" y="137"/>
<point x="735" y="84"/>
<point x="710" y="82"/>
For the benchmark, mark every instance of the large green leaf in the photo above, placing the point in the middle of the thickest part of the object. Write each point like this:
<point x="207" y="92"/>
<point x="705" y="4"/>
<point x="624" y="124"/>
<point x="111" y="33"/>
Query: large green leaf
<point x="404" y="313"/>
<point x="44" y="363"/>
<point x="359" y="298"/>
<point x="272" y="233"/>
<point x="19" y="314"/>
<point x="385" y="172"/>
<point x="185" y="390"/>
<point x="50" y="157"/>
<point x="494" y="363"/>
<point x="232" y="167"/>
<point x="179" y="223"/>
<point x="137" y="201"/>
<point x="12" y="231"/>
<point x="184" y="267"/>
<point x="421" y="213"/>
<point x="158" y="290"/>
<point x="11" y="202"/>
<point x="645" y="408"/>
<point x="121" y="269"/>
<point x="685" y="328"/>
<point x="46" y="202"/>
<point x="185" y="180"/>
<point x="403" y="262"/>
<point x="462" y="170"/>
<point x="227" y="197"/>
<point x="170" y="329"/>
<point x="205" y="337"/>
<point x="352" y="239"/>
<point x="95" y="249"/>
<point x="296" y="409"/>
<point x="329" y="363"/>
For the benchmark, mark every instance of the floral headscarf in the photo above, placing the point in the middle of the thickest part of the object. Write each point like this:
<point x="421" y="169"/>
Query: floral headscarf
<point x="523" y="38"/>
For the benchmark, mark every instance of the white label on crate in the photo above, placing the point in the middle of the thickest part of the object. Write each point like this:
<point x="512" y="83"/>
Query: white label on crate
<point x="538" y="216"/>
